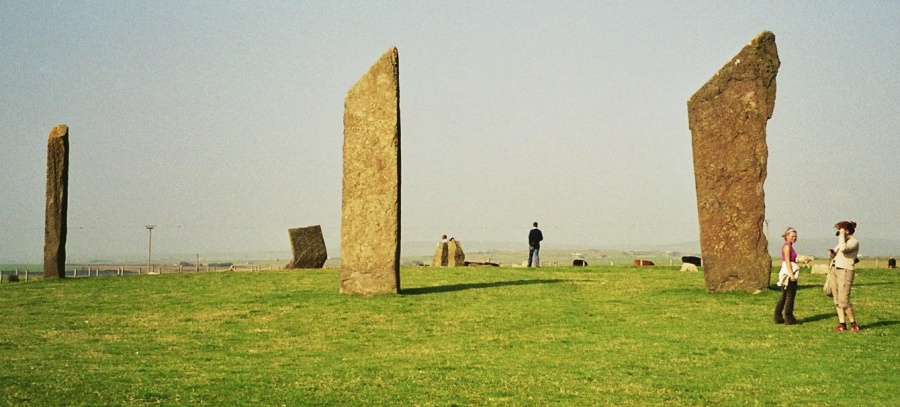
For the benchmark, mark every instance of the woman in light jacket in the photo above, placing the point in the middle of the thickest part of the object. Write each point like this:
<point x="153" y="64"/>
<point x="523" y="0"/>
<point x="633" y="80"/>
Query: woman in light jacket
<point x="787" y="280"/>
<point x="841" y="275"/>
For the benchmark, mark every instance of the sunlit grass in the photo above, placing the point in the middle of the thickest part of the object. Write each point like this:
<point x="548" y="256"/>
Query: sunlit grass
<point x="466" y="336"/>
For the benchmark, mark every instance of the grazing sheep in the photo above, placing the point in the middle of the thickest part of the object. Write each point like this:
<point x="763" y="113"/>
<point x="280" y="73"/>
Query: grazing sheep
<point x="688" y="267"/>
<point x="804" y="261"/>
<point x="819" y="269"/>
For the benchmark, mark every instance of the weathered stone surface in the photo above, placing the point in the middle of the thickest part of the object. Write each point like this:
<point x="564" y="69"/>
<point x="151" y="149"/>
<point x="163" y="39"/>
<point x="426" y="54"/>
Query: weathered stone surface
<point x="455" y="255"/>
<point x="370" y="224"/>
<point x="308" y="246"/>
<point x="727" y="118"/>
<point x="57" y="202"/>
<point x="440" y="255"/>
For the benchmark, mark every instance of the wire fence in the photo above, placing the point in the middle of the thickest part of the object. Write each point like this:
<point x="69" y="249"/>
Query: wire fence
<point x="96" y="270"/>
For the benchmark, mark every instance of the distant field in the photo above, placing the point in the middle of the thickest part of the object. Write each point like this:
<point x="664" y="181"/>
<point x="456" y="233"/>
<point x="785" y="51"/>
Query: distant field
<point x="506" y="258"/>
<point x="465" y="336"/>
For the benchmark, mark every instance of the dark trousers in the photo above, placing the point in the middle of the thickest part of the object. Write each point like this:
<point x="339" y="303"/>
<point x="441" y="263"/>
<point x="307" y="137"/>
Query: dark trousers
<point x="534" y="253"/>
<point x="784" y="308"/>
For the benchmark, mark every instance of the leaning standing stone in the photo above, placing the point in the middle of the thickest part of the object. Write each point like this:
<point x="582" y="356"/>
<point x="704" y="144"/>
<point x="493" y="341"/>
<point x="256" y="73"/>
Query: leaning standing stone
<point x="727" y="118"/>
<point x="308" y="246"/>
<point x="57" y="202"/>
<point x="370" y="223"/>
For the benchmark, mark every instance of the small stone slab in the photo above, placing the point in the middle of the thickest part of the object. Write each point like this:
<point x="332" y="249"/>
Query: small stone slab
<point x="308" y="246"/>
<point x="455" y="255"/>
<point x="440" y="255"/>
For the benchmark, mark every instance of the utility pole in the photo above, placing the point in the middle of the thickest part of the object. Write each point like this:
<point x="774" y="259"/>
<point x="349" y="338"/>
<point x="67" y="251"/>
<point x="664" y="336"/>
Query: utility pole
<point x="149" y="247"/>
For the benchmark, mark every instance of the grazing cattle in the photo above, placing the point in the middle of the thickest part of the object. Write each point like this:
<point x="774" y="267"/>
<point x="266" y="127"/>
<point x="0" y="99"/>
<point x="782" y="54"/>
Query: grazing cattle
<point x="688" y="267"/>
<point x="892" y="263"/>
<point x="804" y="261"/>
<point x="579" y="263"/>
<point x="639" y="262"/>
<point x="692" y="260"/>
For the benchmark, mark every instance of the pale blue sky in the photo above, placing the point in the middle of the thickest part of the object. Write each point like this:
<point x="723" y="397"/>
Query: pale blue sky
<point x="221" y="122"/>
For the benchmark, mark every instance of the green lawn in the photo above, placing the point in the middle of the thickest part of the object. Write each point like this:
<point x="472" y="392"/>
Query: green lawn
<point x="466" y="336"/>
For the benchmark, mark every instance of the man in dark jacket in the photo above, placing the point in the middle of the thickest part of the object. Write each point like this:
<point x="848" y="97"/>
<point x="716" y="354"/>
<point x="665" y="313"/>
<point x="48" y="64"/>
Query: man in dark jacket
<point x="534" y="245"/>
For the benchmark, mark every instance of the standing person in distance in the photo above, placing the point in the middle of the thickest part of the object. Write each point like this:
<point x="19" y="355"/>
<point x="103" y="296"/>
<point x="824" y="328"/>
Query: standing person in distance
<point x="841" y="275"/>
<point x="787" y="280"/>
<point x="534" y="245"/>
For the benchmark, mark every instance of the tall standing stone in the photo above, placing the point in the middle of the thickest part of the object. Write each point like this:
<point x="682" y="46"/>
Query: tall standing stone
<point x="308" y="247"/>
<point x="370" y="223"/>
<point x="728" y="117"/>
<point x="57" y="202"/>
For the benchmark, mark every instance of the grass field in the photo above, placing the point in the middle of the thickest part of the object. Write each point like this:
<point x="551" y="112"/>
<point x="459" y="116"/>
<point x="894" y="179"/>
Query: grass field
<point x="467" y="336"/>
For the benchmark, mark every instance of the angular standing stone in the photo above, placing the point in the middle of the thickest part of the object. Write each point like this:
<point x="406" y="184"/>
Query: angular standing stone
<point x="308" y="246"/>
<point x="455" y="255"/>
<point x="728" y="117"/>
<point x="440" y="255"/>
<point x="57" y="202"/>
<point x="370" y="223"/>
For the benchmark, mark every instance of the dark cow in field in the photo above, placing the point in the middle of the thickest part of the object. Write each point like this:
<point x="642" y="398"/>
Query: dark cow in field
<point x="691" y="259"/>
<point x="579" y="263"/>
<point x="639" y="262"/>
<point x="892" y="263"/>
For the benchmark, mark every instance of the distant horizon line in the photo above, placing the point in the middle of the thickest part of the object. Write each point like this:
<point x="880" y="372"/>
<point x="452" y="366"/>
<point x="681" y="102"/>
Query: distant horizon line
<point x="879" y="247"/>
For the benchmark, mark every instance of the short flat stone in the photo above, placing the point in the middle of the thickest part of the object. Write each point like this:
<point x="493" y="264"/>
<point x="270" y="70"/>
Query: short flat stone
<point x="308" y="247"/>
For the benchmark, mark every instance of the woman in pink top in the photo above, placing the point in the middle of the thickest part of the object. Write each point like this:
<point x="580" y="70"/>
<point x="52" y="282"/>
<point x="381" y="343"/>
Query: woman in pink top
<point x="787" y="280"/>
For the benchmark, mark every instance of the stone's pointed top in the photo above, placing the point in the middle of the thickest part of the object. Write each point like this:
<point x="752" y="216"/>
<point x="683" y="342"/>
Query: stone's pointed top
<point x="391" y="56"/>
<point x="383" y="74"/>
<point x="757" y="59"/>
<point x="60" y="130"/>
<point x="764" y="36"/>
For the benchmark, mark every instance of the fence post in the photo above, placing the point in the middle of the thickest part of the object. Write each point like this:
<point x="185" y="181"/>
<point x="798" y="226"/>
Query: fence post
<point x="26" y="274"/>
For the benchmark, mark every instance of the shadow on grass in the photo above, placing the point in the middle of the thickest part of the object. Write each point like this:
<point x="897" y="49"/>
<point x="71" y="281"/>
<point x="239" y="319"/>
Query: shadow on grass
<point x="879" y="323"/>
<point x="471" y="286"/>
<point x="819" y="317"/>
